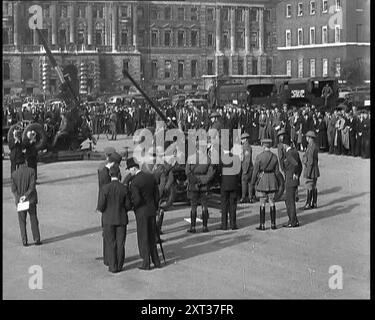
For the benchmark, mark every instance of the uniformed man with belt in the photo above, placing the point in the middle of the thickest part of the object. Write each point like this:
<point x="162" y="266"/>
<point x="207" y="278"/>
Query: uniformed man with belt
<point x="266" y="168"/>
<point x="311" y="171"/>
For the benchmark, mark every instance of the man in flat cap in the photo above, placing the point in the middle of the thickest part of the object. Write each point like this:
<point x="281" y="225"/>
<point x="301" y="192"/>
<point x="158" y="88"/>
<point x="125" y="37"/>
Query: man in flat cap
<point x="114" y="203"/>
<point x="266" y="168"/>
<point x="246" y="169"/>
<point x="145" y="199"/>
<point x="311" y="170"/>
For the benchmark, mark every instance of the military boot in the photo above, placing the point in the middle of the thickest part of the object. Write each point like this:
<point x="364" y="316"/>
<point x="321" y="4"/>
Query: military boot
<point x="314" y="198"/>
<point x="273" y="217"/>
<point x="262" y="219"/>
<point x="308" y="200"/>
<point x="193" y="218"/>
<point x="205" y="220"/>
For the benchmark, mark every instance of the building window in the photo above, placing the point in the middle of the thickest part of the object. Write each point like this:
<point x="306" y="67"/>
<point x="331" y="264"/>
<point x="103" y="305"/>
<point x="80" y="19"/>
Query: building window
<point x="300" y="37"/>
<point x="324" y="35"/>
<point x="240" y="39"/>
<point x="28" y="75"/>
<point x="267" y="15"/>
<point x="312" y="7"/>
<point x="194" y="14"/>
<point x="338" y="5"/>
<point x="80" y="11"/>
<point x="312" y="68"/>
<point x="6" y="36"/>
<point x="124" y="38"/>
<point x="210" y="40"/>
<point x="254" y="40"/>
<point x="181" y="14"/>
<point x="98" y="38"/>
<point x="210" y="67"/>
<point x="240" y="14"/>
<point x="253" y="14"/>
<point x="6" y="71"/>
<point x="324" y="6"/>
<point x="98" y="11"/>
<point x="288" y="10"/>
<point x="154" y="13"/>
<point x="359" y="32"/>
<point x="62" y="37"/>
<point x="140" y="12"/>
<point x="46" y="11"/>
<point x="325" y="68"/>
<point x="167" y="13"/>
<point x="240" y="67"/>
<point x="300" y="68"/>
<point x="300" y="9"/>
<point x="289" y="68"/>
<point x="269" y="66"/>
<point x="125" y="65"/>
<point x="267" y="39"/>
<point x="210" y="14"/>
<point x="338" y="67"/>
<point x="81" y="36"/>
<point x="288" y="38"/>
<point x="154" y="69"/>
<point x="225" y="14"/>
<point x="181" y="87"/>
<point x="167" y="69"/>
<point x="124" y="11"/>
<point x="180" y="72"/>
<point x="226" y="66"/>
<point x="194" y="67"/>
<point x="63" y="11"/>
<point x="44" y="33"/>
<point x="6" y="91"/>
<point x="142" y="38"/>
<point x="254" y="66"/>
<point x="312" y="35"/>
<point x="194" y="38"/>
<point x="337" y="34"/>
<point x="225" y="39"/>
<point x="154" y="38"/>
<point x="167" y="38"/>
<point x="180" y="38"/>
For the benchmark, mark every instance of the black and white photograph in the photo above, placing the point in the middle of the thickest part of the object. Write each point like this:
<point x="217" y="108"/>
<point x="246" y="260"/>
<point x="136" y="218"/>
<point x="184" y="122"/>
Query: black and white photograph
<point x="186" y="150"/>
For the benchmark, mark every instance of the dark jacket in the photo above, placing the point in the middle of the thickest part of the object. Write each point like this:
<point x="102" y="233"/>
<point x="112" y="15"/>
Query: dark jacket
<point x="310" y="161"/>
<point x="15" y="151"/>
<point x="266" y="168"/>
<point x="23" y="184"/>
<point x="31" y="155"/>
<point x="231" y="181"/>
<point x="199" y="176"/>
<point x="114" y="204"/>
<point x="292" y="166"/>
<point x="144" y="194"/>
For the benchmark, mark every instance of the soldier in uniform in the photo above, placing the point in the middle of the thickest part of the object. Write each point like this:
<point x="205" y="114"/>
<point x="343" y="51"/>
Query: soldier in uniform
<point x="199" y="176"/>
<point x="292" y="166"/>
<point x="311" y="170"/>
<point x="264" y="179"/>
<point x="247" y="170"/>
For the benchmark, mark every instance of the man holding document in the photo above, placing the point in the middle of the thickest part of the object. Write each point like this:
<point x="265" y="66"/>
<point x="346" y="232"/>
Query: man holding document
<point x="26" y="198"/>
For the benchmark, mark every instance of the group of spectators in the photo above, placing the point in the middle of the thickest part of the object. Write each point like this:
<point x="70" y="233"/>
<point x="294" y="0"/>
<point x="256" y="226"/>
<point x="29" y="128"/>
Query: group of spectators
<point x="339" y="131"/>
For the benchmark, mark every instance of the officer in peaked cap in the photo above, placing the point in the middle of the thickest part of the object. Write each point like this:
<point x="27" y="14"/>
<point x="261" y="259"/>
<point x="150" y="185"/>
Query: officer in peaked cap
<point x="264" y="178"/>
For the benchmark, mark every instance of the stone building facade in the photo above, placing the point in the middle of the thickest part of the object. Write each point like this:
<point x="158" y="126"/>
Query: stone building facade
<point x="164" y="45"/>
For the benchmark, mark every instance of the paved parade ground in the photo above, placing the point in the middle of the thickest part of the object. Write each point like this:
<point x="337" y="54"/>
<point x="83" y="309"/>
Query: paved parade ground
<point x="240" y="264"/>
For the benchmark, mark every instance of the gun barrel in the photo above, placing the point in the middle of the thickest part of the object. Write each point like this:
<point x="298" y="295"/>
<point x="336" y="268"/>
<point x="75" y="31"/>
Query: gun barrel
<point x="158" y="111"/>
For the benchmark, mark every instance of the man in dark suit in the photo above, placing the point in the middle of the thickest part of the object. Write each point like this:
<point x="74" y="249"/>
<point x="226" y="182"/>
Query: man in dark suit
<point x="292" y="166"/>
<point x="145" y="199"/>
<point x="114" y="204"/>
<point x="23" y="188"/>
<point x="229" y="188"/>
<point x="247" y="170"/>
<point x="31" y="152"/>
<point x="15" y="147"/>
<point x="103" y="179"/>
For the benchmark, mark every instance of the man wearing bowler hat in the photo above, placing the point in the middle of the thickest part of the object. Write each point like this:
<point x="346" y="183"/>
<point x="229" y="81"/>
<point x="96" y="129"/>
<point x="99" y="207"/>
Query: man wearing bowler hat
<point x="311" y="170"/>
<point x="145" y="199"/>
<point x="264" y="179"/>
<point x="114" y="203"/>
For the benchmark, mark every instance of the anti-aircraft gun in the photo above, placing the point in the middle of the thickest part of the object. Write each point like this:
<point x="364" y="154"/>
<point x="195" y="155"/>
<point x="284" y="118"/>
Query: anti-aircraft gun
<point x="73" y="128"/>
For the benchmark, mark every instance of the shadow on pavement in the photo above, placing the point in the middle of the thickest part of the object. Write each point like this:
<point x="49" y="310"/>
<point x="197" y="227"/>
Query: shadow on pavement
<point x="74" y="234"/>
